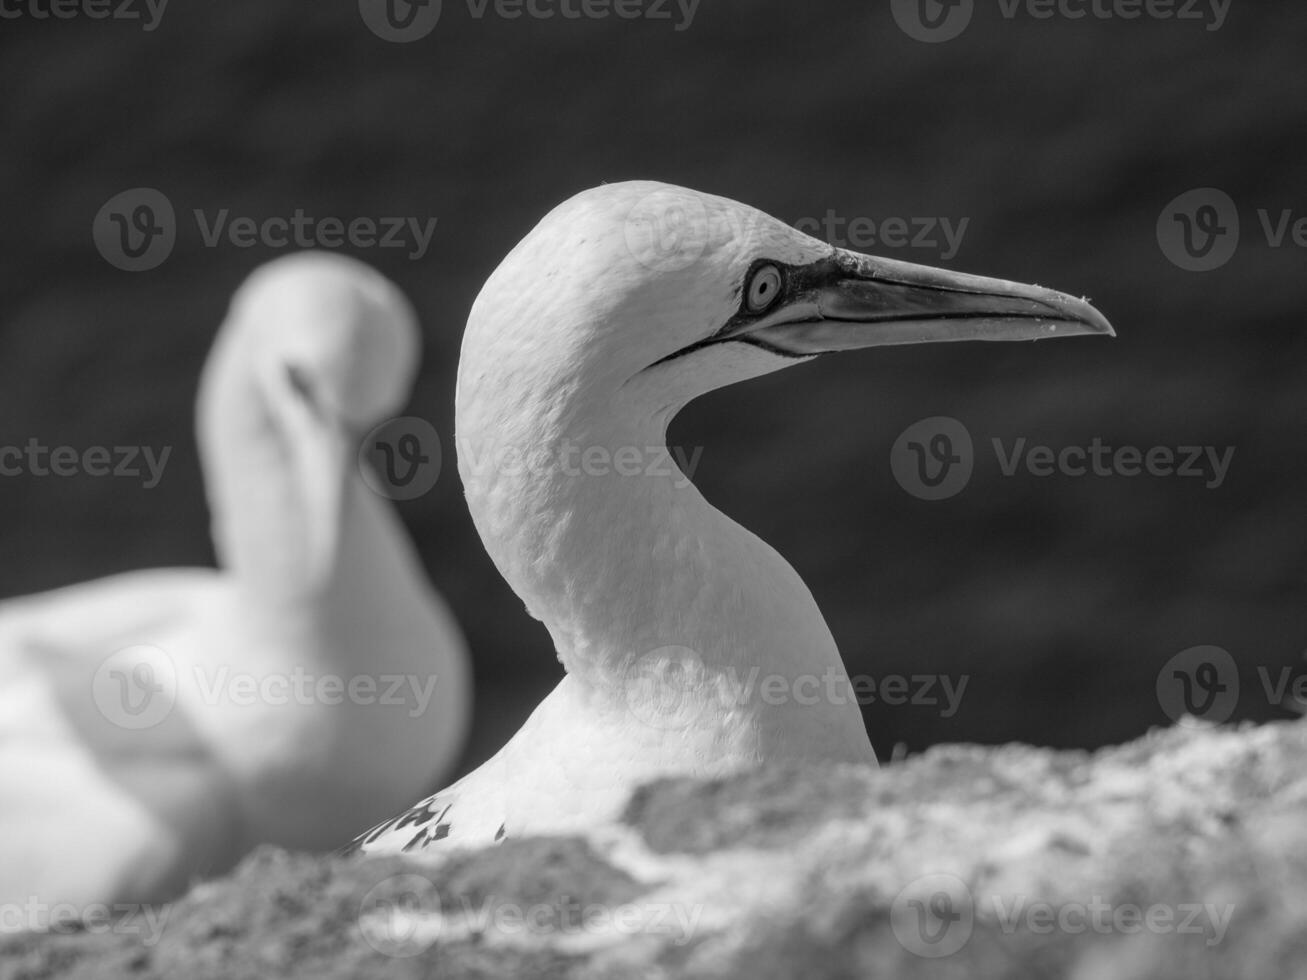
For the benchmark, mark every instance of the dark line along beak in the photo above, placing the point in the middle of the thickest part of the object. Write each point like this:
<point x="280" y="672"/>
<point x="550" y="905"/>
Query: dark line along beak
<point x="851" y="301"/>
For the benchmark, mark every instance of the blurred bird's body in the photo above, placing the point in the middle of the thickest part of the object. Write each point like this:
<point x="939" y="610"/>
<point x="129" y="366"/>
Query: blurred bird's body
<point x="691" y="647"/>
<point x="156" y="725"/>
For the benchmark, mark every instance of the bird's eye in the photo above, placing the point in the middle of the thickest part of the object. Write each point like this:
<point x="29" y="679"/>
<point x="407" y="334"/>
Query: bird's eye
<point x="764" y="288"/>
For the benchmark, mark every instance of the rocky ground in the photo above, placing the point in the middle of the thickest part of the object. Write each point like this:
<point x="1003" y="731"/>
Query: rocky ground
<point x="1183" y="854"/>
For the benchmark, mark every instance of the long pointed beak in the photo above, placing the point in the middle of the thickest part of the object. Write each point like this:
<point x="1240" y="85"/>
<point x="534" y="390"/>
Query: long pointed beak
<point x="852" y="301"/>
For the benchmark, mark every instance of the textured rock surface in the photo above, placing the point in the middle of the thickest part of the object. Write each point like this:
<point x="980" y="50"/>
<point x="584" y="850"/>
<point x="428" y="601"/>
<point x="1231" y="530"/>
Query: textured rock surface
<point x="1181" y="855"/>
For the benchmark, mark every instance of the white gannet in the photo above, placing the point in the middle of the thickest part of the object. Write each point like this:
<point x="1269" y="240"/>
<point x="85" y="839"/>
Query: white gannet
<point x="246" y="739"/>
<point x="690" y="646"/>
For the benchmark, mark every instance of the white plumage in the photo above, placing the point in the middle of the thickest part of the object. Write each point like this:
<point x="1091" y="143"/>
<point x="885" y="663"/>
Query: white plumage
<point x="108" y="796"/>
<point x="690" y="646"/>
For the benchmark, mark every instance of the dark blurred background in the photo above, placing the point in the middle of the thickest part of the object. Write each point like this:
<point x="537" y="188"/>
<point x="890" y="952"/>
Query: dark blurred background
<point x="1061" y="141"/>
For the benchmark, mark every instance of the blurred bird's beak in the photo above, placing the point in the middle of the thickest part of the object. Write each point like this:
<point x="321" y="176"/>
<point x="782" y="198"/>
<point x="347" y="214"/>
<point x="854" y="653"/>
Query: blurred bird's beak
<point x="850" y="301"/>
<point x="321" y="450"/>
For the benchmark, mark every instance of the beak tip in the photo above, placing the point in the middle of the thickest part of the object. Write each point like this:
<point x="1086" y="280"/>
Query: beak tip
<point x="1093" y="320"/>
<point x="1102" y="326"/>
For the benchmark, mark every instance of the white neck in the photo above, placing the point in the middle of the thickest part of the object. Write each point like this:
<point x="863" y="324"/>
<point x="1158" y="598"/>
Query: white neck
<point x="618" y="566"/>
<point x="259" y="518"/>
<point x="268" y="532"/>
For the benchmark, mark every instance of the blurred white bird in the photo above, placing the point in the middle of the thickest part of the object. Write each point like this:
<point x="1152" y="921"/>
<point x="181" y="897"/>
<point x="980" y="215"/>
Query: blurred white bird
<point x="690" y="646"/>
<point x="156" y="725"/>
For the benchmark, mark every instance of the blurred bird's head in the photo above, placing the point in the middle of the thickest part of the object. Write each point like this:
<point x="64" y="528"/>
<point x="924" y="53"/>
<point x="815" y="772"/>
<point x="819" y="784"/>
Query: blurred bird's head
<point x="317" y="348"/>
<point x="328" y="338"/>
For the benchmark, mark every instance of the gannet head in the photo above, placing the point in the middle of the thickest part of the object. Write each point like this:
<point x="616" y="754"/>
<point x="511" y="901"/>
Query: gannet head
<point x="328" y="336"/>
<point x="623" y="304"/>
<point x="325" y="348"/>
<point x="642" y="292"/>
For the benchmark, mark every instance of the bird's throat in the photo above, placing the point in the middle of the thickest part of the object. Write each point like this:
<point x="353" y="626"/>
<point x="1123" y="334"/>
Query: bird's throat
<point x="650" y="594"/>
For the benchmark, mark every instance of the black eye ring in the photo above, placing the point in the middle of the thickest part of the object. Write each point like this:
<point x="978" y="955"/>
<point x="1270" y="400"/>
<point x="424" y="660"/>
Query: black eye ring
<point x="764" y="288"/>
